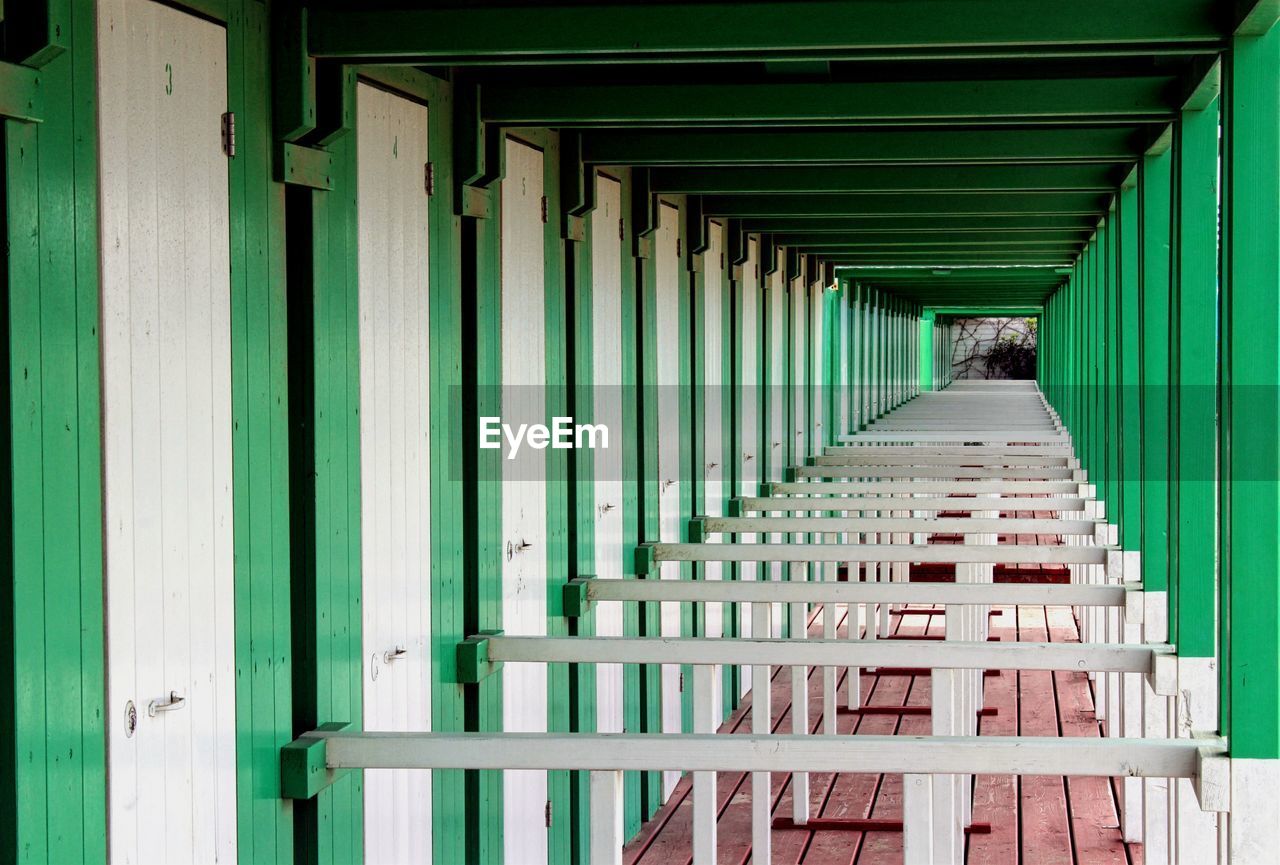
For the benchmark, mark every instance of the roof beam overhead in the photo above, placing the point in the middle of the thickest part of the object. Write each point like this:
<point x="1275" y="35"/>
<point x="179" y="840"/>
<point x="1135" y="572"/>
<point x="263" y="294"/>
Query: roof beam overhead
<point x="753" y="146"/>
<point x="931" y="239"/>
<point x="974" y="274"/>
<point x="889" y="178"/>
<point x="1091" y="100"/>
<point x="871" y="226"/>
<point x="805" y="29"/>
<point x="891" y="204"/>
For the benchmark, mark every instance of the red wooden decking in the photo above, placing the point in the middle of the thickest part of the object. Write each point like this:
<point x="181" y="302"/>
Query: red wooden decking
<point x="1034" y="820"/>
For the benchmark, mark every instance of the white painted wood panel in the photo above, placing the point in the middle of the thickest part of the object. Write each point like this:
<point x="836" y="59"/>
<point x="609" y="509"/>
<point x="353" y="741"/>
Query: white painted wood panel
<point x="749" y="416"/>
<point x="776" y="298"/>
<point x="713" y="455"/>
<point x="606" y="339"/>
<point x="799" y="348"/>
<point x="167" y="428"/>
<point x="817" y="339"/>
<point x="524" y="519"/>
<point x="669" y="272"/>
<point x="395" y="480"/>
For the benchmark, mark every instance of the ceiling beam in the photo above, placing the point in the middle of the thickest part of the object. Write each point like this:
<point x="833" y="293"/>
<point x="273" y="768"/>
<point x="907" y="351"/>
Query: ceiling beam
<point x="924" y="204"/>
<point x="931" y="239"/>
<point x="889" y="178"/>
<point x="1130" y="99"/>
<point x="902" y="225"/>
<point x="639" y="32"/>
<point x="984" y="274"/>
<point x="753" y="146"/>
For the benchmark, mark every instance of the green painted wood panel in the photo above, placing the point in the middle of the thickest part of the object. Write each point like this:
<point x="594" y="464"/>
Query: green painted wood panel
<point x="1193" y="371"/>
<point x="1251" y="412"/>
<point x="51" y="603"/>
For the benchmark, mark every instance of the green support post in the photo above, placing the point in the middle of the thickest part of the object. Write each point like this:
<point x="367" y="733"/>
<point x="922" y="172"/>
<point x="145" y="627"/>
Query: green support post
<point x="1250" y="455"/>
<point x="1192" y="375"/>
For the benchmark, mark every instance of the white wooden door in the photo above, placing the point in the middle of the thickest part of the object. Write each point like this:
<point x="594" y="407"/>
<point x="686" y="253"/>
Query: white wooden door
<point x="606" y="341"/>
<point x="166" y="367"/>
<point x="669" y="269"/>
<point x="524" y="517"/>
<point x="817" y="339"/>
<point x="799" y="369"/>
<point x="713" y="470"/>
<point x="749" y="417"/>
<point x="395" y="479"/>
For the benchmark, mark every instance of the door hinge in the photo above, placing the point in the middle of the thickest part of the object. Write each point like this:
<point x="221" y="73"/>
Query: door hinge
<point x="681" y="686"/>
<point x="429" y="178"/>
<point x="229" y="134"/>
<point x="544" y="210"/>
<point x="677" y="247"/>
<point x="547" y="814"/>
<point x="621" y="230"/>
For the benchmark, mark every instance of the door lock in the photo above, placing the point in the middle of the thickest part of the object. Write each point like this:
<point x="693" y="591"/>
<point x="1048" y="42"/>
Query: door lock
<point x="174" y="703"/>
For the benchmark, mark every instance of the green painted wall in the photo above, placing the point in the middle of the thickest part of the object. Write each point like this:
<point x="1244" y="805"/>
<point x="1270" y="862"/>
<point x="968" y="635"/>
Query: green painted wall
<point x="53" y="807"/>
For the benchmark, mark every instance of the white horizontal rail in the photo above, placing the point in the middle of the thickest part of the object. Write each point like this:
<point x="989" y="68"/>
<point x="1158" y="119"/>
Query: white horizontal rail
<point x="825" y="652"/>
<point x="924" y="459"/>
<point x="984" y="436"/>
<point x="822" y="591"/>
<point x="708" y="752"/>
<point x="771" y="504"/>
<point x="825" y="470"/>
<point x="870" y="449"/>
<point x="942" y="525"/>
<point x="1012" y="488"/>
<point x="980" y="554"/>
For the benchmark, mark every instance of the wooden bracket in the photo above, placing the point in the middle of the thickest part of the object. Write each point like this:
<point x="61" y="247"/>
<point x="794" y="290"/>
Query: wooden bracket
<point x="697" y="530"/>
<point x="304" y="166"/>
<point x="473" y="658"/>
<point x="21" y="97"/>
<point x="335" y="109"/>
<point x="577" y="597"/>
<point x="303" y="769"/>
<point x="293" y="86"/>
<point x="36" y="31"/>
<point x="645" y="563"/>
<point x="479" y="152"/>
<point x="577" y="187"/>
<point x="1212" y="781"/>
<point x="698" y="238"/>
<point x="768" y="255"/>
<point x="644" y="211"/>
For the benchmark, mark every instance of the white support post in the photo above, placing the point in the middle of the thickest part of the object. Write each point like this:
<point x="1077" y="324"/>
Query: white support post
<point x="853" y="621"/>
<point x="1196" y="833"/>
<point x="761" y="722"/>
<point x="606" y="818"/>
<point x="1157" y="722"/>
<point x="799" y="704"/>
<point x="917" y="821"/>
<point x="1131" y="721"/>
<point x="829" y="615"/>
<point x="704" y="783"/>
<point x="1254" y="819"/>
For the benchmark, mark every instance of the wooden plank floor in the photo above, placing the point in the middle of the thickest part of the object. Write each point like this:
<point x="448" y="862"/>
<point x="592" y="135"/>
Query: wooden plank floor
<point x="1034" y="820"/>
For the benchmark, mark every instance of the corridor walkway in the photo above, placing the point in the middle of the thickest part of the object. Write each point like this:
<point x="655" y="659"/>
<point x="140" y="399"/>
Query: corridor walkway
<point x="856" y="818"/>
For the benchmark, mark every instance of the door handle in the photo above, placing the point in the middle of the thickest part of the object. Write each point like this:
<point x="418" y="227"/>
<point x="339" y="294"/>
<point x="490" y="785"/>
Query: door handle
<point x="174" y="702"/>
<point x="394" y="654"/>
